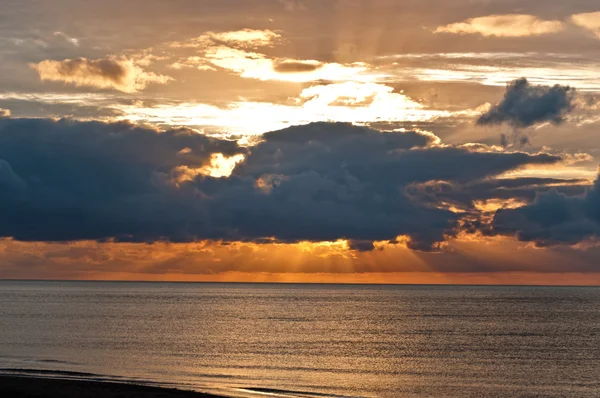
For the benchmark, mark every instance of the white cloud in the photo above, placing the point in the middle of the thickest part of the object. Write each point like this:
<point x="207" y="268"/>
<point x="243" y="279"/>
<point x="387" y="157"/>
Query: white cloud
<point x="73" y="40"/>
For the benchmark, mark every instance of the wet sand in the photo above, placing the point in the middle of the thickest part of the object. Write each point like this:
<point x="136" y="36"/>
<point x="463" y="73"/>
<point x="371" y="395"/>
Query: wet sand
<point x="32" y="387"/>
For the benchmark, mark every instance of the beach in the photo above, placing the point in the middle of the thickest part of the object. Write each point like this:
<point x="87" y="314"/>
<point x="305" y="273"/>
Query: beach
<point x="26" y="387"/>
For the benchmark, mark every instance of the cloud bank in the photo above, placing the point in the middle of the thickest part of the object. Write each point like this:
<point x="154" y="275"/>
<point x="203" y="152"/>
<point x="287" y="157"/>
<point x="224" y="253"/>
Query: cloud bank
<point x="67" y="181"/>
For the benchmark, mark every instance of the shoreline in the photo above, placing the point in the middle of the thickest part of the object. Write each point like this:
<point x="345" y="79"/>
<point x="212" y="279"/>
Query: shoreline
<point x="17" y="386"/>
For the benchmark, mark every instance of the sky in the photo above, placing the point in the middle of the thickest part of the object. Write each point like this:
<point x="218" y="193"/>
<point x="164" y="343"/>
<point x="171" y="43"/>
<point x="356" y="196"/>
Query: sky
<point x="338" y="141"/>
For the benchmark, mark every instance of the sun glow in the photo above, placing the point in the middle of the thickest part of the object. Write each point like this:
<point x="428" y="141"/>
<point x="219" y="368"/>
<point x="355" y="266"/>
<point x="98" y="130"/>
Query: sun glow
<point x="349" y="102"/>
<point x="220" y="166"/>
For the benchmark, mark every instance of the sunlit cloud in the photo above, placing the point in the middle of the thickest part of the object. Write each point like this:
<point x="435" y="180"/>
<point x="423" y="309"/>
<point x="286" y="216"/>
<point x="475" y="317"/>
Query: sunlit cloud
<point x="240" y="52"/>
<point x="297" y="66"/>
<point x="580" y="71"/>
<point x="564" y="171"/>
<point x="70" y="98"/>
<point x="584" y="78"/>
<point x="341" y="102"/>
<point x="506" y="261"/>
<point x="245" y="38"/>
<point x="192" y="62"/>
<point x="222" y="166"/>
<point x="508" y="25"/>
<point x="492" y="205"/>
<point x="73" y="40"/>
<point x="259" y="66"/>
<point x="589" y="21"/>
<point x="115" y="73"/>
<point x="219" y="166"/>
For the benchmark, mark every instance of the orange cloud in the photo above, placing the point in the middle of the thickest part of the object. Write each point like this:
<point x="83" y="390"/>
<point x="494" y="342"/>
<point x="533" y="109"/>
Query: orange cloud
<point x="244" y="38"/>
<point x="470" y="259"/>
<point x="509" y="25"/>
<point x="589" y="21"/>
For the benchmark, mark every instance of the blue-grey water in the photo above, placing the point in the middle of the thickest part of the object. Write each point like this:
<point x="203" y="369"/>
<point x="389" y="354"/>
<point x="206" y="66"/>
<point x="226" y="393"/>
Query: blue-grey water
<point x="307" y="340"/>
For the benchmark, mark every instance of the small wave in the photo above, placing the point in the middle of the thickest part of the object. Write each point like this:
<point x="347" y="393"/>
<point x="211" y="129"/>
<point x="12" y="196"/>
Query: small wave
<point x="290" y="393"/>
<point x="46" y="372"/>
<point x="14" y="358"/>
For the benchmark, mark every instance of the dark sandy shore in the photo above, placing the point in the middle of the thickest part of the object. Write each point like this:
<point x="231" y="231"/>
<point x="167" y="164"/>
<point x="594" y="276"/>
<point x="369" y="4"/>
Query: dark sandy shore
<point x="32" y="387"/>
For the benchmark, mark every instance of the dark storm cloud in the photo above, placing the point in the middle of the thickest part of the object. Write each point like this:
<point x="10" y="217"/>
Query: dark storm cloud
<point x="297" y="67"/>
<point x="66" y="180"/>
<point x="524" y="105"/>
<point x="329" y="181"/>
<point x="553" y="218"/>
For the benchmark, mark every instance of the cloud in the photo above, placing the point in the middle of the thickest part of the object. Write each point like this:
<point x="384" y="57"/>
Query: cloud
<point x="485" y="259"/>
<point x="493" y="68"/>
<point x="553" y="218"/>
<point x="255" y="65"/>
<point x="116" y="73"/>
<point x="589" y="21"/>
<point x="361" y="245"/>
<point x="292" y="5"/>
<point x="491" y="194"/>
<point x="297" y="66"/>
<point x="72" y="40"/>
<point x="524" y="105"/>
<point x="192" y="62"/>
<point x="67" y="181"/>
<point x="508" y="25"/>
<point x="241" y="52"/>
<point x="351" y="102"/>
<point x="245" y="38"/>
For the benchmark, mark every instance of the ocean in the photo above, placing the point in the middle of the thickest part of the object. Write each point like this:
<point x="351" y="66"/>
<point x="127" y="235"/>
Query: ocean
<point x="298" y="340"/>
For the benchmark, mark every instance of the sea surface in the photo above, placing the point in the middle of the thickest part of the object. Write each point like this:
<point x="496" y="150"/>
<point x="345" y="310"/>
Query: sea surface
<point x="253" y="340"/>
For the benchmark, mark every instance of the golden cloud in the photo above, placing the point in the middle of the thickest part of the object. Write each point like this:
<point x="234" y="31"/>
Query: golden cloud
<point x="245" y="38"/>
<point x="111" y="73"/>
<point x="508" y="25"/>
<point x="508" y="262"/>
<point x="589" y="21"/>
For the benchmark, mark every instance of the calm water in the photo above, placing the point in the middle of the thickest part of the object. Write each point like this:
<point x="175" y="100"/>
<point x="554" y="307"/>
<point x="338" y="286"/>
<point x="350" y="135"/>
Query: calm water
<point x="306" y="340"/>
